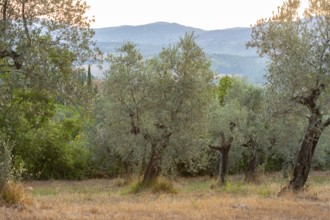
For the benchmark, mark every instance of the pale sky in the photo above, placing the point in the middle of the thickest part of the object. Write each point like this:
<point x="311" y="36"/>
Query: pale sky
<point x="204" y="14"/>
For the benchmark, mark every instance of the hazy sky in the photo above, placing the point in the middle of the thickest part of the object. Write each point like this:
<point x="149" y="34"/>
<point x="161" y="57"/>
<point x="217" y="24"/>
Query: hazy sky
<point x="205" y="14"/>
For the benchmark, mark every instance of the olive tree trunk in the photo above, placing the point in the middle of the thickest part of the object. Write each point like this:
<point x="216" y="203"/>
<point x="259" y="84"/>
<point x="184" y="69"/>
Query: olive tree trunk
<point x="224" y="159"/>
<point x="312" y="135"/>
<point x="153" y="167"/>
<point x="250" y="174"/>
<point x="224" y="164"/>
<point x="305" y="155"/>
<point x="158" y="147"/>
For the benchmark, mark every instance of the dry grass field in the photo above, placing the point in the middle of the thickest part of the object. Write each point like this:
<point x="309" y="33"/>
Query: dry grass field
<point x="196" y="198"/>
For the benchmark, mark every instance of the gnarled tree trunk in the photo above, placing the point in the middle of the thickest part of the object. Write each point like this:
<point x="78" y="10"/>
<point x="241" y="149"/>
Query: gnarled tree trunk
<point x="153" y="168"/>
<point x="158" y="147"/>
<point x="224" y="164"/>
<point x="224" y="149"/>
<point x="250" y="173"/>
<point x="304" y="159"/>
<point x="312" y="135"/>
<point x="224" y="153"/>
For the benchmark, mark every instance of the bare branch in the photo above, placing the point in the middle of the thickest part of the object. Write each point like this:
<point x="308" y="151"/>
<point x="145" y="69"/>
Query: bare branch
<point x="223" y="138"/>
<point x="326" y="123"/>
<point x="4" y="15"/>
<point x="300" y="99"/>
<point x="250" y="142"/>
<point x="26" y="29"/>
<point x="310" y="100"/>
<point x="215" y="147"/>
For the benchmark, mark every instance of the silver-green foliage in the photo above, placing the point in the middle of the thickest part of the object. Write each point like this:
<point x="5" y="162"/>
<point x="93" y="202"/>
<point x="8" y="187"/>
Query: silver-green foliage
<point x="299" y="50"/>
<point x="298" y="74"/>
<point x="243" y="105"/>
<point x="155" y="106"/>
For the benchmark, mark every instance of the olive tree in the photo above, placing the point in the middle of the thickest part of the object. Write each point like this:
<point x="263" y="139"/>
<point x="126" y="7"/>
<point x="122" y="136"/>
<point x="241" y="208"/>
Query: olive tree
<point x="156" y="108"/>
<point x="237" y="118"/>
<point x="222" y="126"/>
<point x="298" y="73"/>
<point x="254" y="130"/>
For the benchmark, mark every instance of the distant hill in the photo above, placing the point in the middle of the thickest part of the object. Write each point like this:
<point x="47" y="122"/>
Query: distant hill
<point x="160" y="33"/>
<point x="226" y="48"/>
<point x="253" y="68"/>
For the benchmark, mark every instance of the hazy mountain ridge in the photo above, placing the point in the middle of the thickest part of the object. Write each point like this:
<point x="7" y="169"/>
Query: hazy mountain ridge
<point x="226" y="48"/>
<point x="154" y="33"/>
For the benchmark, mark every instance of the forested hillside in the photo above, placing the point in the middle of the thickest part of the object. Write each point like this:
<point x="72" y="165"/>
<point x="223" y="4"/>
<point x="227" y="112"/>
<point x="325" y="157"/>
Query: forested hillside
<point x="226" y="48"/>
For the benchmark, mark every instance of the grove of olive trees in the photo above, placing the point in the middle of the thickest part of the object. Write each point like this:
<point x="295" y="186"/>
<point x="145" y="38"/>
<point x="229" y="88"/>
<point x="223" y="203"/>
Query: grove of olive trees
<point x="161" y="116"/>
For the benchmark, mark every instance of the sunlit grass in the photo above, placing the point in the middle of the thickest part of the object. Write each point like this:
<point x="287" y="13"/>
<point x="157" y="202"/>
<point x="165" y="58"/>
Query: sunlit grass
<point x="195" y="198"/>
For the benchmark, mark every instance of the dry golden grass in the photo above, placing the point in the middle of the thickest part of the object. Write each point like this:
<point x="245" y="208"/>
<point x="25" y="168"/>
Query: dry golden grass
<point x="15" y="193"/>
<point x="106" y="199"/>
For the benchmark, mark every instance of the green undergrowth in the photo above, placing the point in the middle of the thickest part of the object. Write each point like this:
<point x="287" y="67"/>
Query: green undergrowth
<point x="246" y="189"/>
<point x="268" y="186"/>
<point x="159" y="186"/>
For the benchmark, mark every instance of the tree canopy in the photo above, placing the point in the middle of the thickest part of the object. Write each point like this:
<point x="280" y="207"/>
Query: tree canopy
<point x="156" y="107"/>
<point x="43" y="44"/>
<point x="299" y="51"/>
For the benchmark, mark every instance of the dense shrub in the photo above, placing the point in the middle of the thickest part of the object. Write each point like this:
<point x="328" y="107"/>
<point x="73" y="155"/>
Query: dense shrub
<point x="56" y="150"/>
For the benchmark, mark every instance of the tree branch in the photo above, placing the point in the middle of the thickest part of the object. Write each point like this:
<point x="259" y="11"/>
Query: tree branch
<point x="135" y="128"/>
<point x="223" y="147"/>
<point x="4" y="15"/>
<point x="310" y="100"/>
<point x="326" y="123"/>
<point x="249" y="143"/>
<point x="26" y="29"/>
<point x="215" y="147"/>
<point x="222" y="135"/>
<point x="300" y="99"/>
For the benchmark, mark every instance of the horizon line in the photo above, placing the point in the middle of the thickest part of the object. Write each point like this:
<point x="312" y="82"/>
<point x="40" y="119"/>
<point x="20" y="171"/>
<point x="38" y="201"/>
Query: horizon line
<point x="167" y="22"/>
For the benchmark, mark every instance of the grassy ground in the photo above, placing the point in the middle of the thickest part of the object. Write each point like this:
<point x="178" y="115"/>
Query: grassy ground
<point x="196" y="198"/>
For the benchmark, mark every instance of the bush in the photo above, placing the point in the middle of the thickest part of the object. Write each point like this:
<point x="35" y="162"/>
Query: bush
<point x="57" y="149"/>
<point x="14" y="193"/>
<point x="163" y="185"/>
<point x="160" y="185"/>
